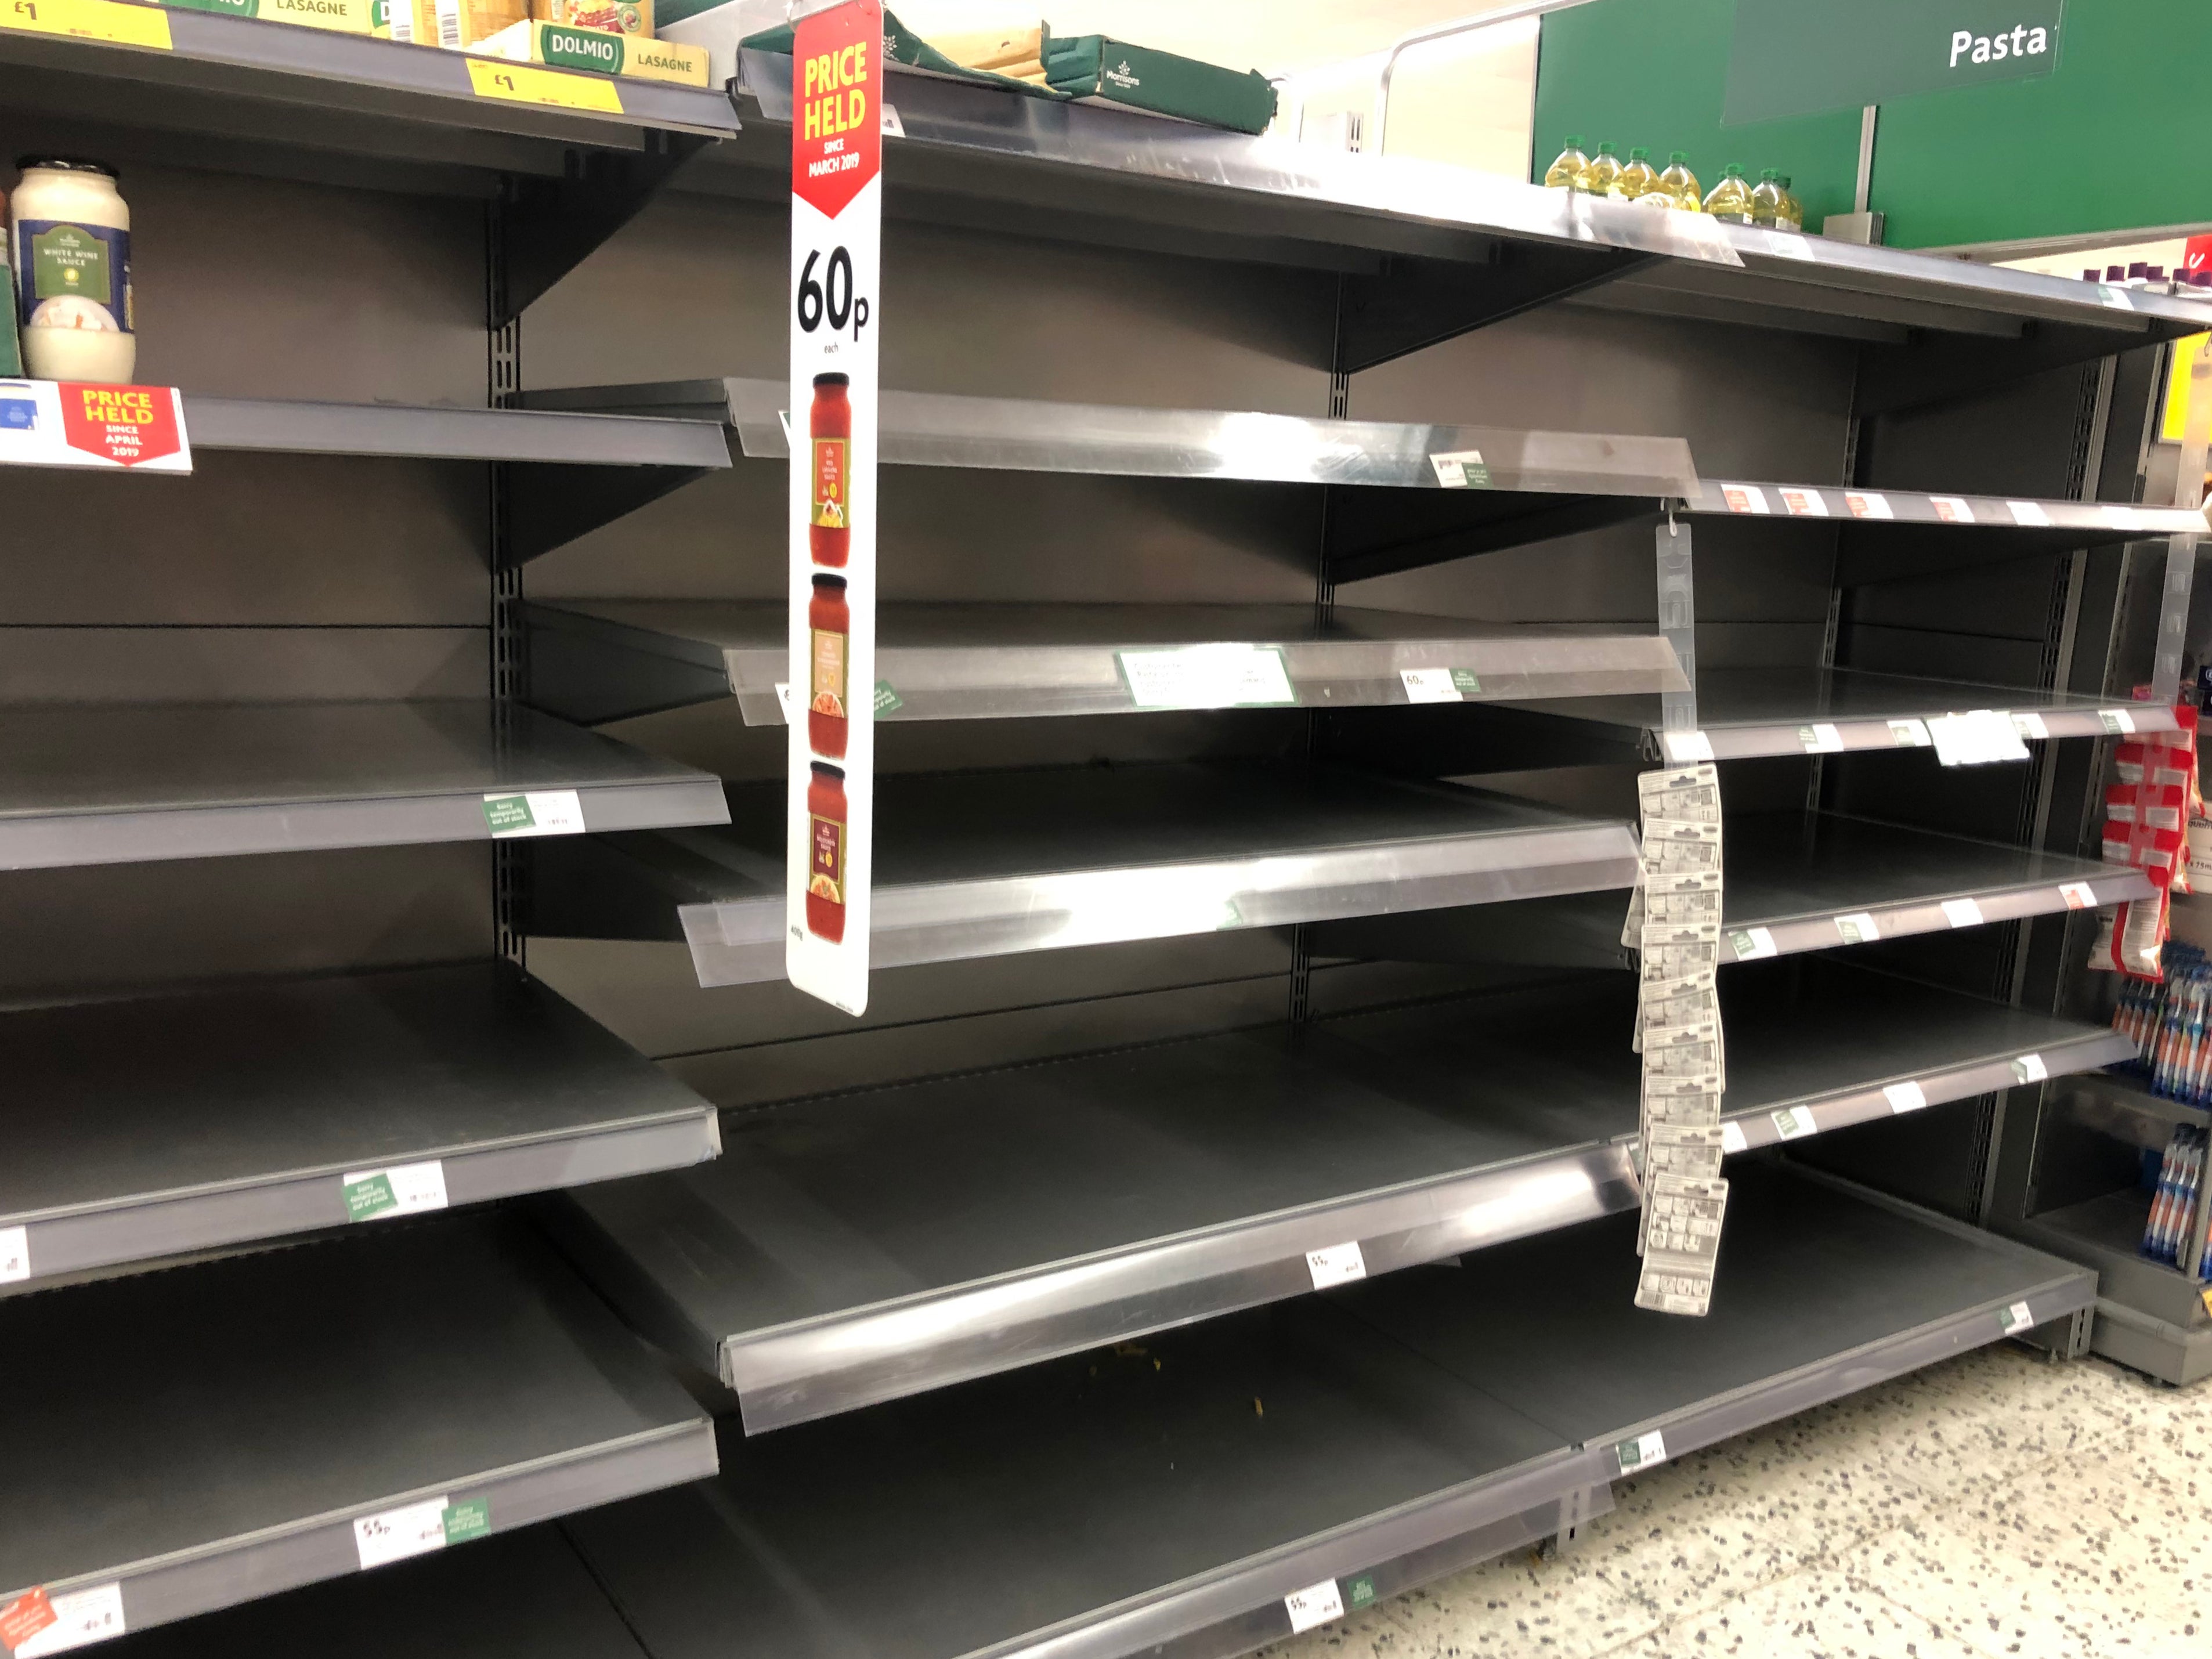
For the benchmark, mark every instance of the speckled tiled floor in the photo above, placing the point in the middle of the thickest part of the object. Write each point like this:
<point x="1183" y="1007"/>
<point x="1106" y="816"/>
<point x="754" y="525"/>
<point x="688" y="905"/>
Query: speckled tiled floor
<point x="1994" y="1507"/>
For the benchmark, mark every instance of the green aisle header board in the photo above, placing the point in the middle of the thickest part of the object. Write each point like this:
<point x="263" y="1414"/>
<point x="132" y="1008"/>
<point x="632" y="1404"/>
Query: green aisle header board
<point x="2111" y="139"/>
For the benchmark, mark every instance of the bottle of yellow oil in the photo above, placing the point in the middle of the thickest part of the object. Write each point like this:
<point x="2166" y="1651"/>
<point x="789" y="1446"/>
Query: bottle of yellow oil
<point x="1766" y="198"/>
<point x="1563" y="173"/>
<point x="1731" y="199"/>
<point x="1597" y="178"/>
<point x="1791" y="214"/>
<point x="1637" y="178"/>
<point x="1681" y="183"/>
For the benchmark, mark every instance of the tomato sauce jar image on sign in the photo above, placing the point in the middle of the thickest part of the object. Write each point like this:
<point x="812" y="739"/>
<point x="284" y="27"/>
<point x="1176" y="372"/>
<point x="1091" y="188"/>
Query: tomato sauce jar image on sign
<point x="825" y="873"/>
<point x="829" y="429"/>
<point x="830" y="622"/>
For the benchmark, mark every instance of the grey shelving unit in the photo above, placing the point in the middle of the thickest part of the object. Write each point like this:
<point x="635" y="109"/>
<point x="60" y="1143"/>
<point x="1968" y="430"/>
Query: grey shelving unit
<point x="1796" y="882"/>
<point x="299" y="1393"/>
<point x="816" y="1268"/>
<point x="292" y="1089"/>
<point x="1002" y="1294"/>
<point x="988" y="864"/>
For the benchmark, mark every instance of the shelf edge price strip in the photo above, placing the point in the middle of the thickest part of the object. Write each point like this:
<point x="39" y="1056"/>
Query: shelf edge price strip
<point x="526" y="83"/>
<point x="91" y="20"/>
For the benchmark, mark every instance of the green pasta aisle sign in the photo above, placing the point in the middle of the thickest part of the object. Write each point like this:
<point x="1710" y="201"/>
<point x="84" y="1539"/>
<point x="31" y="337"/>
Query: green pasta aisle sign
<point x="1802" y="56"/>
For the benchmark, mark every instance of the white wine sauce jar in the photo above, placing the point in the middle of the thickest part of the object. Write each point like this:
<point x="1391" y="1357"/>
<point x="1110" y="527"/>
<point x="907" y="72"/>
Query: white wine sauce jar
<point x="70" y="236"/>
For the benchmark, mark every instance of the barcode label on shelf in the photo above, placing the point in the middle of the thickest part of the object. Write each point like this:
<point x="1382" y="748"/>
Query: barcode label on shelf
<point x="1745" y="498"/>
<point x="1750" y="944"/>
<point x="90" y="20"/>
<point x="1804" y="504"/>
<point x="1795" y="1122"/>
<point x="1952" y="509"/>
<point x="14" y="1254"/>
<point x="1314" y="1606"/>
<point x="537" y="813"/>
<point x="1732" y="1139"/>
<point x="1867" y="505"/>
<point x="398" y="1534"/>
<point x="1462" y="469"/>
<point x="1820" y="739"/>
<point x="1645" y="1451"/>
<point x="2030" y="1068"/>
<point x="2029" y="513"/>
<point x="2116" y="721"/>
<point x="2016" y="1318"/>
<point x="1683" y="747"/>
<point x="1905" y="1097"/>
<point x="58" y="1623"/>
<point x="403" y="1189"/>
<point x="1339" y="1264"/>
<point x="1207" y="677"/>
<point x="1909" y="734"/>
<point x="2030" y="726"/>
<point x="1858" y="928"/>
<point x="1436" y="684"/>
<point x="2078" y="895"/>
<point x="1962" y="913"/>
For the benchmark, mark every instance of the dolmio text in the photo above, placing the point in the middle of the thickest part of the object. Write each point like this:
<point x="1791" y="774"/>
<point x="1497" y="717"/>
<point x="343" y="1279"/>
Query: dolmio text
<point x="832" y="101"/>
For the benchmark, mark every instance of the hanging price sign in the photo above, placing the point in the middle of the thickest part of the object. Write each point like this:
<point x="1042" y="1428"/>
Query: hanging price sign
<point x="836" y="256"/>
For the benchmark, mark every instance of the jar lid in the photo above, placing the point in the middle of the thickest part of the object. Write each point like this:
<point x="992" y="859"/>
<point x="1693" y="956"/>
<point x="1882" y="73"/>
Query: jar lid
<point x="837" y="582"/>
<point x="63" y="164"/>
<point x="832" y="379"/>
<point x="828" y="770"/>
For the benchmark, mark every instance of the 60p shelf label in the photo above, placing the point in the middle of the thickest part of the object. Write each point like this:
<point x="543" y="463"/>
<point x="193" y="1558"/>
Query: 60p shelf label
<point x="836" y="259"/>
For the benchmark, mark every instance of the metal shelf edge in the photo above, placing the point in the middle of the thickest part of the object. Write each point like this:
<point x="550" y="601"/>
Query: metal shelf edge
<point x="427" y="432"/>
<point x="1794" y="935"/>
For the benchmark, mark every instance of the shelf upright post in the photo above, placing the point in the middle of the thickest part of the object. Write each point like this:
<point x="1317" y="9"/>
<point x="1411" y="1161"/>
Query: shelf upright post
<point x="1678" y="624"/>
<point x="503" y="378"/>
<point x="2181" y="550"/>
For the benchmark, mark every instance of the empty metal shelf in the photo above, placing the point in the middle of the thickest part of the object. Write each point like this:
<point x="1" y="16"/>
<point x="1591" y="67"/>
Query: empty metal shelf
<point x="852" y="1250"/>
<point x="178" y="1441"/>
<point x="83" y="784"/>
<point x="152" y="1126"/>
<point x="1796" y="882"/>
<point x="994" y="863"/>
<point x="603" y="660"/>
<point x="1169" y="1496"/>
<point x="1774" y="711"/>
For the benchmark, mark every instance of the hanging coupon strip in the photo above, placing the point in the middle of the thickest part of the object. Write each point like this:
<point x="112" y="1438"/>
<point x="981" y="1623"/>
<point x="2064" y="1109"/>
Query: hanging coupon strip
<point x="140" y="428"/>
<point x="836" y="245"/>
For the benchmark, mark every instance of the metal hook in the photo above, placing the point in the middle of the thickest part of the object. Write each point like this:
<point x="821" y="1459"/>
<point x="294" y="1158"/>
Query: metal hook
<point x="1671" y="531"/>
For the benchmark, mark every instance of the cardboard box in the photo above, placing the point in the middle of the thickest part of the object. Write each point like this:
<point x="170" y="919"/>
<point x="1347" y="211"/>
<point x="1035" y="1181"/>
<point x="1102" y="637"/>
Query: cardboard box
<point x="558" y="47"/>
<point x="630" y="17"/>
<point x="343" y="16"/>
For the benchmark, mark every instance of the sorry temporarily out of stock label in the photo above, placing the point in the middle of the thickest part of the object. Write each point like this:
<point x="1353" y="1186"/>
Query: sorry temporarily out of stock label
<point x="1750" y="944"/>
<point x="1794" y="1121"/>
<point x="1641" y="1453"/>
<point x="403" y="1189"/>
<point x="1339" y="1264"/>
<point x="1315" y="1604"/>
<point x="2016" y="1318"/>
<point x="1858" y="928"/>
<point x="535" y="812"/>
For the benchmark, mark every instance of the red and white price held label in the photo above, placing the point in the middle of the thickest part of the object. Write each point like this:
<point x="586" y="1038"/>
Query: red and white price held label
<point x="69" y="423"/>
<point x="836" y="259"/>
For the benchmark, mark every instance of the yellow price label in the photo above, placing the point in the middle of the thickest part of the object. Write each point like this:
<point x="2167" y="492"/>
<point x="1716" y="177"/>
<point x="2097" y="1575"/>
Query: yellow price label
<point x="526" y="83"/>
<point x="89" y="19"/>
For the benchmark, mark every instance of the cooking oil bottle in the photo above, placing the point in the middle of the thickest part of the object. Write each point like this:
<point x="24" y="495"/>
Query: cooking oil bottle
<point x="1635" y="177"/>
<point x="1597" y="178"/>
<point x="1766" y="198"/>
<point x="1563" y="173"/>
<point x="1791" y="214"/>
<point x="1731" y="199"/>
<point x="1681" y="183"/>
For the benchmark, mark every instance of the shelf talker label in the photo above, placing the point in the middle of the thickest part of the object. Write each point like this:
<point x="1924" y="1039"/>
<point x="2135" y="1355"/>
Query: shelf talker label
<point x="467" y="1521"/>
<point x="1209" y="676"/>
<point x="403" y="1189"/>
<point x="1905" y="1097"/>
<point x="526" y="83"/>
<point x="1339" y="1264"/>
<point x="14" y="1254"/>
<point x="1645" y="1451"/>
<point x="1962" y="913"/>
<point x="1751" y="944"/>
<point x="2078" y="895"/>
<point x="1794" y="1122"/>
<point x="2015" y="1319"/>
<point x="1462" y="469"/>
<point x="1314" y="1606"/>
<point x="1745" y="498"/>
<point x="535" y="812"/>
<point x="1952" y="509"/>
<point x="1866" y="504"/>
<point x="36" y="1624"/>
<point x="2030" y="1068"/>
<point x="1858" y="928"/>
<point x="90" y="20"/>
<point x="1804" y="503"/>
